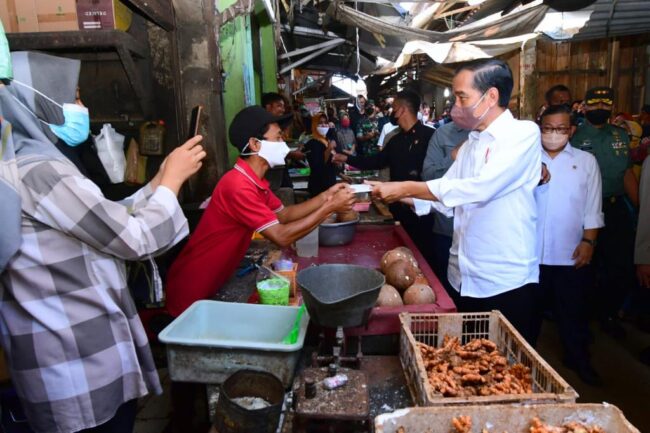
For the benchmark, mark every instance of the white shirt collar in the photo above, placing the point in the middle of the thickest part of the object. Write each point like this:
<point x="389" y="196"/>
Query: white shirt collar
<point x="568" y="149"/>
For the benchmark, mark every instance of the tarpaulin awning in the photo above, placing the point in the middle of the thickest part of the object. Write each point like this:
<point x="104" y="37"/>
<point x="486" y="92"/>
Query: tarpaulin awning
<point x="453" y="52"/>
<point x="511" y="25"/>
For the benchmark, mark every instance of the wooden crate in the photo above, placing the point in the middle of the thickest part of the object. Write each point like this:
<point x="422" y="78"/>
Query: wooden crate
<point x="499" y="418"/>
<point x="548" y="385"/>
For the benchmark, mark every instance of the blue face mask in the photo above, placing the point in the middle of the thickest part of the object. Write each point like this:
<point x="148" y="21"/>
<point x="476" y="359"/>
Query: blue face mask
<point x="76" y="126"/>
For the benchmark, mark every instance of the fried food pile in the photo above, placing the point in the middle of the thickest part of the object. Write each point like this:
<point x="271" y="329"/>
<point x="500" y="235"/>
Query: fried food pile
<point x="463" y="424"/>
<point x="475" y="369"/>
<point x="537" y="426"/>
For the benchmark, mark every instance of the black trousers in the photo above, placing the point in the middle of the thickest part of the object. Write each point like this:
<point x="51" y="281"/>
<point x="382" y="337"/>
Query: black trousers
<point x="517" y="305"/>
<point x="440" y="262"/>
<point x="122" y="422"/>
<point x="419" y="229"/>
<point x="563" y="289"/>
<point x="614" y="259"/>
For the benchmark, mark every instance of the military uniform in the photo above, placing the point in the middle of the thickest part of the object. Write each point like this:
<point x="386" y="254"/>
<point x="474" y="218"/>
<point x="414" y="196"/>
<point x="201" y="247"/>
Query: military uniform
<point x="613" y="257"/>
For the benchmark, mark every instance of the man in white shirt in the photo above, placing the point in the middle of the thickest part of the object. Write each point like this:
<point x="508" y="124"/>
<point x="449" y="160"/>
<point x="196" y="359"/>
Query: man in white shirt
<point x="490" y="187"/>
<point x="569" y="211"/>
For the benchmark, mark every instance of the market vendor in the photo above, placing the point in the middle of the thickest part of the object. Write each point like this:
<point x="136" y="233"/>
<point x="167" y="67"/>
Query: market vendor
<point x="241" y="205"/>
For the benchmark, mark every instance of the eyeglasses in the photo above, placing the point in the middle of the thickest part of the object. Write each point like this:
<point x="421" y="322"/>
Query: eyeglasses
<point x="561" y="130"/>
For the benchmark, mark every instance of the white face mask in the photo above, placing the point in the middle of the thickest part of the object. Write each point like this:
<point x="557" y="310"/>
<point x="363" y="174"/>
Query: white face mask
<point x="554" y="141"/>
<point x="273" y="152"/>
<point x="323" y="130"/>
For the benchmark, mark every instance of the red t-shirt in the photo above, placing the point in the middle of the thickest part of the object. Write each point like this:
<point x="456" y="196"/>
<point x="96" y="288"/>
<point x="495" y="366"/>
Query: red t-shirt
<point x="241" y="204"/>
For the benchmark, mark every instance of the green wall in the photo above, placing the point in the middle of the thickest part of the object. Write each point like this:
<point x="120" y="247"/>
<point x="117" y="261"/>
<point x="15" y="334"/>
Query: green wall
<point x="244" y="82"/>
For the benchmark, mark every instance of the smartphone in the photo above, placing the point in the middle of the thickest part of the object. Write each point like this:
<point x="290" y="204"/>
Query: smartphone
<point x="195" y="121"/>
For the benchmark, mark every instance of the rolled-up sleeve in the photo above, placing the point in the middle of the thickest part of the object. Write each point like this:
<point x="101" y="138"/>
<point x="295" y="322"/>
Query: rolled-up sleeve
<point x="593" y="216"/>
<point x="424" y="207"/>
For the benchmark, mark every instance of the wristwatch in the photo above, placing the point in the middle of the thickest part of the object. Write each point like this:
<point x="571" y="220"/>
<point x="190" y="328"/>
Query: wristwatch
<point x="589" y="241"/>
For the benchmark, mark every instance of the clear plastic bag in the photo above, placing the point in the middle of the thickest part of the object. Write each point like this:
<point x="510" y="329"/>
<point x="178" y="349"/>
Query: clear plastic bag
<point x="110" y="150"/>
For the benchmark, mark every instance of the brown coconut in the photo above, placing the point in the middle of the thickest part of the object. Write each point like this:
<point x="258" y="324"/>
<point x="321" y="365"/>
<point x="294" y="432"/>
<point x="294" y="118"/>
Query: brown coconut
<point x="405" y="250"/>
<point x="401" y="274"/>
<point x="389" y="297"/>
<point x="393" y="255"/>
<point x="419" y="294"/>
<point x="421" y="279"/>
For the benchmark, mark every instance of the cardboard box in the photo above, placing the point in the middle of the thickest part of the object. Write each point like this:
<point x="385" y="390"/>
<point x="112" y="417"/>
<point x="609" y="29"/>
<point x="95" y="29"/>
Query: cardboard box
<point x="103" y="14"/>
<point x="56" y="15"/>
<point x="19" y="16"/>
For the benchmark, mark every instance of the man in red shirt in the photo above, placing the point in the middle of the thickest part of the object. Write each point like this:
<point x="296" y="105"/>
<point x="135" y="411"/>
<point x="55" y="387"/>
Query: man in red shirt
<point x="242" y="204"/>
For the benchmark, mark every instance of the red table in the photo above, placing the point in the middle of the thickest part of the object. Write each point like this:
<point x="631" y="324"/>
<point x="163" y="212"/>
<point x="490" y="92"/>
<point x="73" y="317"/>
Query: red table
<point x="368" y="246"/>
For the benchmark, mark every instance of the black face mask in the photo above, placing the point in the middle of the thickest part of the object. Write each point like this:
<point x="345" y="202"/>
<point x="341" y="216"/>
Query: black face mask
<point x="598" y="117"/>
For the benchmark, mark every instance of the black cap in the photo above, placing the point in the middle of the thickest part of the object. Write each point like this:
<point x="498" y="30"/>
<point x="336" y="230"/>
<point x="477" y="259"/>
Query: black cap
<point x="250" y="122"/>
<point x="600" y="94"/>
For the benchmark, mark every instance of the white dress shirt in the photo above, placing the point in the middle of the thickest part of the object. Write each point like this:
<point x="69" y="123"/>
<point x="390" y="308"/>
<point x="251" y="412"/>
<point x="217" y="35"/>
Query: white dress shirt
<point x="569" y="204"/>
<point x="491" y="187"/>
<point x="386" y="133"/>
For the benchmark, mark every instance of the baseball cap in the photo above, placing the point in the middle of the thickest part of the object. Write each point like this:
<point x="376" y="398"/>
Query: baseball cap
<point x="250" y="122"/>
<point x="596" y="95"/>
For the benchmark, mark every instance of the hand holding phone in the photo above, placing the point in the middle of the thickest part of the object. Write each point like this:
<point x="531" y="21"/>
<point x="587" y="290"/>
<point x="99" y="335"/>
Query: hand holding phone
<point x="195" y="121"/>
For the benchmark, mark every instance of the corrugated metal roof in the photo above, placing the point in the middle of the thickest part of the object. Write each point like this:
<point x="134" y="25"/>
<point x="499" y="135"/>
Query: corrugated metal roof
<point x="616" y="18"/>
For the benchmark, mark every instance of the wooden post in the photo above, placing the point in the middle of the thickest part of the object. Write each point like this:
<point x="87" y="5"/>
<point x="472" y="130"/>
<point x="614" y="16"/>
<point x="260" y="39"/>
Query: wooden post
<point x="527" y="83"/>
<point x="615" y="55"/>
<point x="199" y="72"/>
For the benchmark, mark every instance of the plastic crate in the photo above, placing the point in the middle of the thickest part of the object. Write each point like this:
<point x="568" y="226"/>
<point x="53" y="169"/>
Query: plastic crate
<point x="548" y="385"/>
<point x="213" y="339"/>
<point x="499" y="418"/>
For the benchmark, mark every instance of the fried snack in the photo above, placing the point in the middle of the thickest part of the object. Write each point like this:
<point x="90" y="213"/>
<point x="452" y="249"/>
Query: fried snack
<point x="537" y="426"/>
<point x="474" y="369"/>
<point x="462" y="424"/>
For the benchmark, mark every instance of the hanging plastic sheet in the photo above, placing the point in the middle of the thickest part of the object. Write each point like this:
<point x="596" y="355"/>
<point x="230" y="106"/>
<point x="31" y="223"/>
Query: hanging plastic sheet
<point x="514" y="24"/>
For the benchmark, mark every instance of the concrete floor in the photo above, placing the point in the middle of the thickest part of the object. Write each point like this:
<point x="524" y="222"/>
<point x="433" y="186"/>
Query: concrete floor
<point x="626" y="380"/>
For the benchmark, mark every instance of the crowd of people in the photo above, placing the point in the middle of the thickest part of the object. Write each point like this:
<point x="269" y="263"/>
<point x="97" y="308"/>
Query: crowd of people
<point x="468" y="189"/>
<point x="527" y="218"/>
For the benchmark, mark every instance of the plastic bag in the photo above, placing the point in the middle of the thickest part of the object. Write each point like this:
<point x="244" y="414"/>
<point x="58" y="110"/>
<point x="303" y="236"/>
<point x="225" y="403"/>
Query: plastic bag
<point x="110" y="149"/>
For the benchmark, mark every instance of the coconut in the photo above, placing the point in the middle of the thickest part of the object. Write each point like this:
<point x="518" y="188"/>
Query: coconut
<point x="419" y="294"/>
<point x="405" y="250"/>
<point x="401" y="274"/>
<point x="389" y="297"/>
<point x="421" y="279"/>
<point x="393" y="255"/>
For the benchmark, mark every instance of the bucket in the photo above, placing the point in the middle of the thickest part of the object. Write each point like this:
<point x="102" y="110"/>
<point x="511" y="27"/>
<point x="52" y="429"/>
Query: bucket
<point x="231" y="417"/>
<point x="274" y="291"/>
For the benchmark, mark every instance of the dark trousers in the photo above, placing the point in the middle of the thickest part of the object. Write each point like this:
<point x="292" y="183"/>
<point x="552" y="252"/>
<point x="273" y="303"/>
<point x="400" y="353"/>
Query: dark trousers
<point x="563" y="289"/>
<point x="614" y="259"/>
<point x="517" y="305"/>
<point x="122" y="422"/>
<point x="440" y="263"/>
<point x="419" y="229"/>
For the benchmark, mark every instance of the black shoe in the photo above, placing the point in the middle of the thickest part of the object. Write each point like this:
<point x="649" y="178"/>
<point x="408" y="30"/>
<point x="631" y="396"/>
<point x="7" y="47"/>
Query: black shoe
<point x="613" y="327"/>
